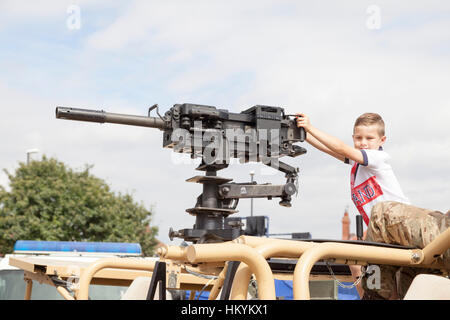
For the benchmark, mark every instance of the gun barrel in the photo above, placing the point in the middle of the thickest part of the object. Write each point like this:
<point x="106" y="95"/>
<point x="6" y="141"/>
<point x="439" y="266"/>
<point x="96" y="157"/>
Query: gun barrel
<point x="102" y="117"/>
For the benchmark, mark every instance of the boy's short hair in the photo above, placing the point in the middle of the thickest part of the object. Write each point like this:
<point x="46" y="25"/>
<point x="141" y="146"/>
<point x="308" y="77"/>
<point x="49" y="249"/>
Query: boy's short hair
<point x="368" y="119"/>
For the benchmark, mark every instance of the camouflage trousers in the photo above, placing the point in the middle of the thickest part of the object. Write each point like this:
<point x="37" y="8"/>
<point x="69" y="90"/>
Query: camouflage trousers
<point x="407" y="225"/>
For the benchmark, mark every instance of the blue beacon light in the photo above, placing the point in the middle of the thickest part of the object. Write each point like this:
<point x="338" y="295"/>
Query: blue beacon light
<point x="30" y="246"/>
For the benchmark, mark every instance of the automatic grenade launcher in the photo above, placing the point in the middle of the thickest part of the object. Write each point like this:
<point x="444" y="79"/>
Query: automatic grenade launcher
<point x="258" y="134"/>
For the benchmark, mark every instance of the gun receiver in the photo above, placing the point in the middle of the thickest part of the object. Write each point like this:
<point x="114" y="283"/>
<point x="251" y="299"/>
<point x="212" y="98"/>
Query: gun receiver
<point x="260" y="134"/>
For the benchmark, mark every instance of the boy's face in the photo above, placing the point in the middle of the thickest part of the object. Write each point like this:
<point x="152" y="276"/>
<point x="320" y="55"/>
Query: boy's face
<point x="367" y="137"/>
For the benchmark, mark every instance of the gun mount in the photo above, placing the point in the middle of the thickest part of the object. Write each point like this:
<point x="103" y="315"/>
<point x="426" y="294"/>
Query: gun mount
<point x="258" y="134"/>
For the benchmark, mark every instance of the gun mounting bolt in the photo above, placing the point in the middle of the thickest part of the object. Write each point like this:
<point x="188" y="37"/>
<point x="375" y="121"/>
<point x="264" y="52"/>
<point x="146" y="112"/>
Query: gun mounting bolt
<point x="415" y="257"/>
<point x="225" y="190"/>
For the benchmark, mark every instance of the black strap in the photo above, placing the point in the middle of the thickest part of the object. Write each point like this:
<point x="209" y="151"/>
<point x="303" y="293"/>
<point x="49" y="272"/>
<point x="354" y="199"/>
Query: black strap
<point x="158" y="277"/>
<point x="229" y="277"/>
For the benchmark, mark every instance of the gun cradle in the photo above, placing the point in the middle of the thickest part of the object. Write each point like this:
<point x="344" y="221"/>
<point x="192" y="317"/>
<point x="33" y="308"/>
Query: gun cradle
<point x="257" y="134"/>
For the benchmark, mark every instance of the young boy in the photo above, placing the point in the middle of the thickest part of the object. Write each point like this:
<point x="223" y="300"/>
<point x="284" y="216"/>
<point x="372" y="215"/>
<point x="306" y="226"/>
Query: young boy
<point x="372" y="179"/>
<point x="377" y="194"/>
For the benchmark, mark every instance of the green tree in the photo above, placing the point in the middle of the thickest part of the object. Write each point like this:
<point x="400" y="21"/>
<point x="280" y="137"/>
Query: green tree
<point x="49" y="201"/>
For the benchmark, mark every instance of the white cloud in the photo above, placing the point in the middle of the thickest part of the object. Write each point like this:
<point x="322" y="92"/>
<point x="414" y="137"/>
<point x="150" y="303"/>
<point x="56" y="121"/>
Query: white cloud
<point x="320" y="59"/>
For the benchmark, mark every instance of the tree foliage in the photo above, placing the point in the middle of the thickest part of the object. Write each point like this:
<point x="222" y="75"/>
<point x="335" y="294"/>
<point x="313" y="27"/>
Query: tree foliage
<point x="49" y="201"/>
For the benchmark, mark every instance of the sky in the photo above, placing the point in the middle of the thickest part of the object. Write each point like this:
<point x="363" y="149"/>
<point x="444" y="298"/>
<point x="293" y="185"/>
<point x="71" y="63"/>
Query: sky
<point x="331" y="60"/>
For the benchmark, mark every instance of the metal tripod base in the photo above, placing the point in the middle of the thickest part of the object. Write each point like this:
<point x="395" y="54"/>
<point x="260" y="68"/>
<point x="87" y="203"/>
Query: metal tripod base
<point x="220" y="198"/>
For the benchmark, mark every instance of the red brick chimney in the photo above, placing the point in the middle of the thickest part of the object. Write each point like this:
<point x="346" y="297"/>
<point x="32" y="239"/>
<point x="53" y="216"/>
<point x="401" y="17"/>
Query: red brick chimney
<point x="345" y="226"/>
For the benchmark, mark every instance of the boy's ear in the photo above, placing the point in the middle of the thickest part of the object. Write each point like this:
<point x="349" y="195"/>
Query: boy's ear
<point x="383" y="140"/>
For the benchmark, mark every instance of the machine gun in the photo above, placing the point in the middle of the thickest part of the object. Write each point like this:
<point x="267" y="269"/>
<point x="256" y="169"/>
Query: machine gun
<point x="260" y="134"/>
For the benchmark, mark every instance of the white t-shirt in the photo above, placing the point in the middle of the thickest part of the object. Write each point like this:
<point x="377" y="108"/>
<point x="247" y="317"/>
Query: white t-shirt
<point x="373" y="182"/>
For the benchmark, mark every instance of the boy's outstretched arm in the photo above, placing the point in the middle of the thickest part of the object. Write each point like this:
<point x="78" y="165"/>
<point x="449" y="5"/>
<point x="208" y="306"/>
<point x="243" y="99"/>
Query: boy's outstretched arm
<point x="328" y="143"/>
<point x="318" y="145"/>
